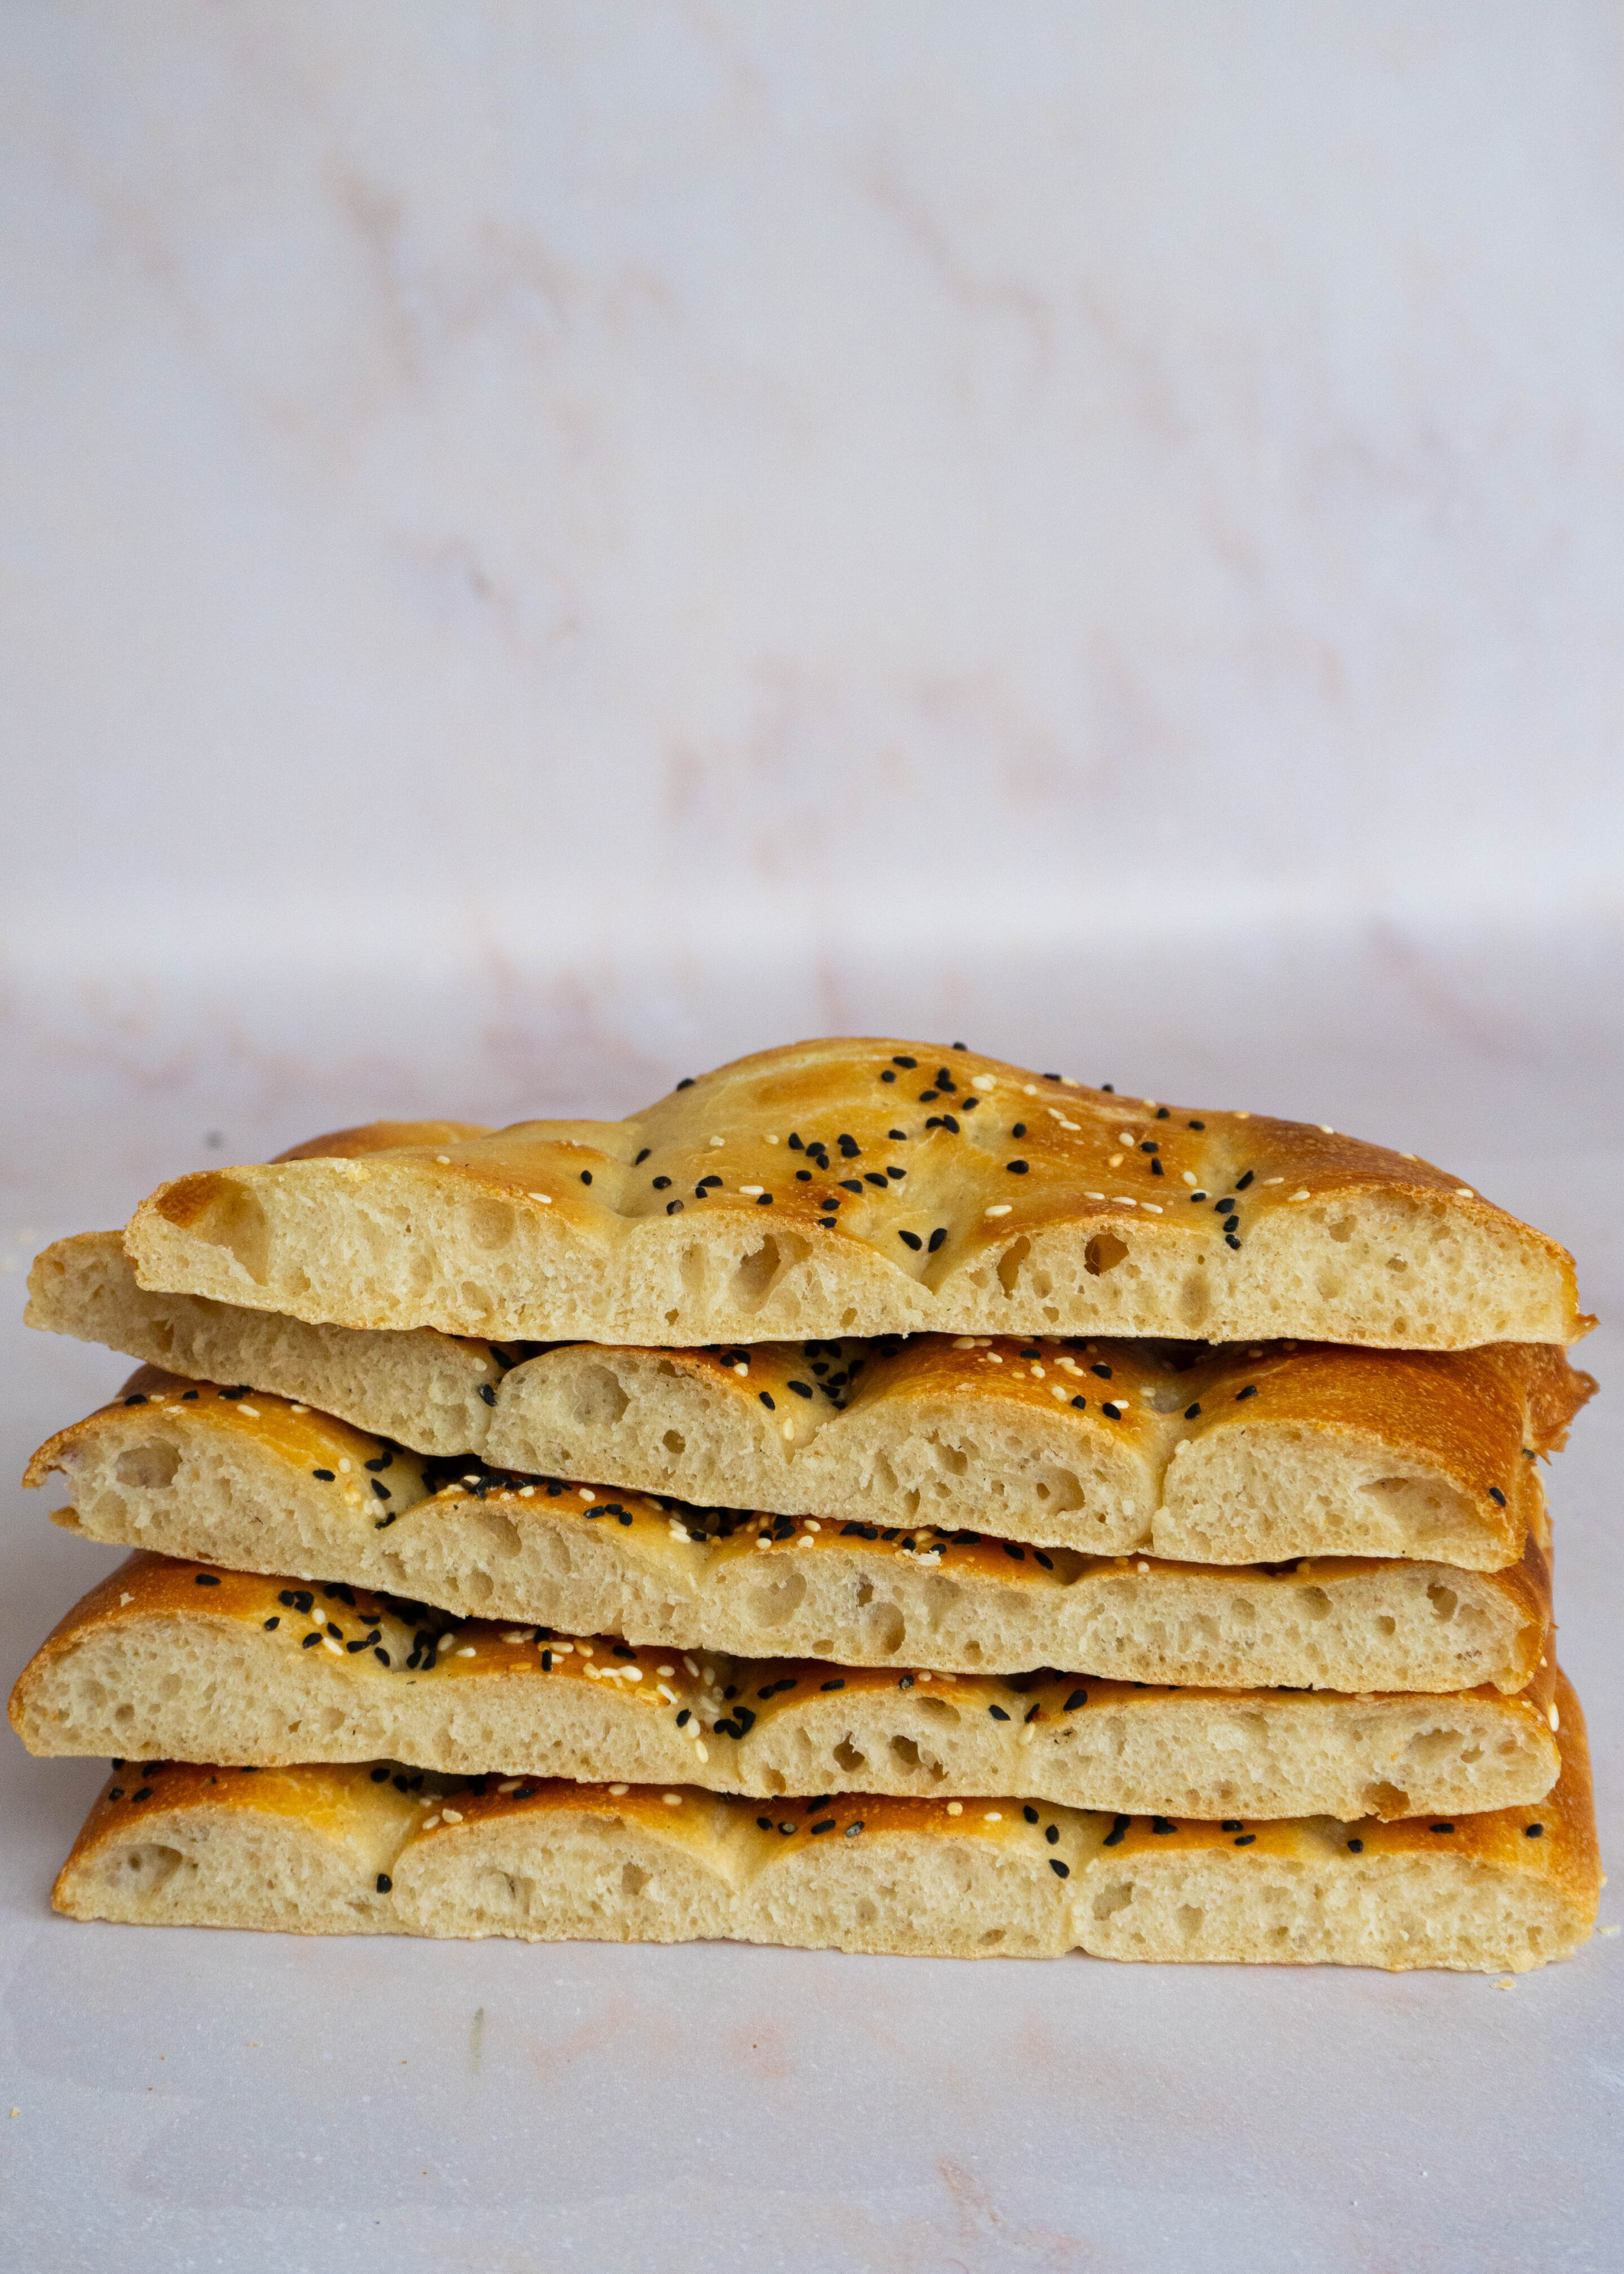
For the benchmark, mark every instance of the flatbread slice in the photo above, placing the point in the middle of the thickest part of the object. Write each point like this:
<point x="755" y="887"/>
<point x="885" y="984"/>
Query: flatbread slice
<point x="1248" y="1454"/>
<point x="258" y="1484"/>
<point x="360" y="1850"/>
<point x="189" y="1661"/>
<point x="865" y="1187"/>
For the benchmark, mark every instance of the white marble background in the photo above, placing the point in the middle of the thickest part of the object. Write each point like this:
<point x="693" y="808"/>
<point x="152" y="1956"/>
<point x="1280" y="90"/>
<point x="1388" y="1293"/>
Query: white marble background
<point x="543" y="546"/>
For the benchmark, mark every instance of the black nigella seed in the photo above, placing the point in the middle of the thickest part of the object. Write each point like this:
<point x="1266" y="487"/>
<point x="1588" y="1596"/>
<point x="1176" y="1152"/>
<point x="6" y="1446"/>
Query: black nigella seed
<point x="310" y="1642"/>
<point x="1195" y="1125"/>
<point x="1533" y="1831"/>
<point x="1118" y="1831"/>
<point x="1079" y="1402"/>
<point x="1241" y="1183"/>
<point x="851" y="1185"/>
<point x="901" y="1135"/>
<point x="887" y="1075"/>
<point x="936" y="1238"/>
<point x="1231" y="1240"/>
<point x="674" y="1208"/>
<point x="1016" y="1168"/>
<point x="1078" y="1698"/>
<point x="326" y="1475"/>
<point x="586" y="1176"/>
<point x="271" y="1625"/>
<point x="801" y="1389"/>
<point x="1250" y="1391"/>
<point x="1111" y="1413"/>
<point x="873" y="1177"/>
<point x="1355" y="1847"/>
<point x="1192" y="1411"/>
<point x="766" y="1398"/>
<point x="909" y="1063"/>
<point x="832" y="1685"/>
<point x="827" y="1221"/>
<point x="1496" y="1495"/>
<point x="385" y="1883"/>
<point x="828" y="1825"/>
<point x="907" y="1682"/>
<point x="998" y="1712"/>
<point x="146" y="1793"/>
<point x="1150" y="1146"/>
<point x="1245" y="1839"/>
<point x="138" y="1399"/>
<point x="380" y="1776"/>
<point x="205" y="1579"/>
<point x="1061" y="1870"/>
<point x="488" y="1393"/>
<point x="642" y="1157"/>
<point x="1019" y="1130"/>
<point x="1162" y="1823"/>
<point x="686" y="1082"/>
<point x="925" y="1098"/>
<point x="1103" y="1372"/>
<point x="1231" y="1824"/>
<point x="1030" y="1813"/>
<point x="911" y="1239"/>
<point x="848" y="1146"/>
<point x="803" y="1176"/>
<point x="1440" y="1827"/>
<point x="1053" y="1835"/>
<point x="660" y="1183"/>
<point x="763" y="1199"/>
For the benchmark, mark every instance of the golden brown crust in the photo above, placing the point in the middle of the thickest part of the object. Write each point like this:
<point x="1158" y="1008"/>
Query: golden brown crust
<point x="367" y="1850"/>
<point x="772" y="1199"/>
<point x="195" y="1661"/>
<point x="192" y="1469"/>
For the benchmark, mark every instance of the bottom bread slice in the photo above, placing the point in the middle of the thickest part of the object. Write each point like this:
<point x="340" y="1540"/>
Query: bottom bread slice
<point x="375" y="1851"/>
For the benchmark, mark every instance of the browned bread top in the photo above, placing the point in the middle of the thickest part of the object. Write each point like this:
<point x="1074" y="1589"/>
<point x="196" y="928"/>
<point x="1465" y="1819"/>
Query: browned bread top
<point x="852" y="1187"/>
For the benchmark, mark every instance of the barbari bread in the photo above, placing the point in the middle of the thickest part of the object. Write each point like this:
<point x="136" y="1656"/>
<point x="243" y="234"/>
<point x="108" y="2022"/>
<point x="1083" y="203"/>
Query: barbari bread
<point x="865" y="1187"/>
<point x="378" y="1850"/>
<point x="259" y="1485"/>
<point x="191" y="1663"/>
<point x="1240" y="1455"/>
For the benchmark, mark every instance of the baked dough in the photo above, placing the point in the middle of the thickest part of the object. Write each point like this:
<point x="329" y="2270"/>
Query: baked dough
<point x="865" y="1187"/>
<point x="376" y="1851"/>
<point x="258" y="1484"/>
<point x="1247" y="1454"/>
<point x="193" y="1662"/>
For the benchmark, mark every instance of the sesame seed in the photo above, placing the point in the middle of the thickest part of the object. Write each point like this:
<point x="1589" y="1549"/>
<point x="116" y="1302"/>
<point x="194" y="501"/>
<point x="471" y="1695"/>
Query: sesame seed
<point x="999" y="1207"/>
<point x="1464" y="1193"/>
<point x="955" y="1808"/>
<point x="544" y="1198"/>
<point x="671" y="1799"/>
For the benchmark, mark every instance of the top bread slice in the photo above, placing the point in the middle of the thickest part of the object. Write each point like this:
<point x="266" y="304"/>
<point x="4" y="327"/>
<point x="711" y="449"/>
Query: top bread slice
<point x="865" y="1187"/>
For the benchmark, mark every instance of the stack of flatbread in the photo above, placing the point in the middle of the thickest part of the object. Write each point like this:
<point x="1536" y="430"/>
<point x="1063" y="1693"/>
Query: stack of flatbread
<point x="877" y="1497"/>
